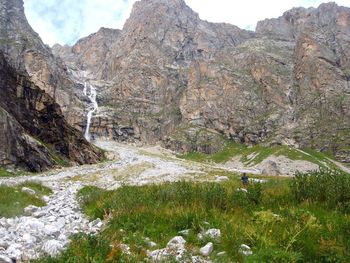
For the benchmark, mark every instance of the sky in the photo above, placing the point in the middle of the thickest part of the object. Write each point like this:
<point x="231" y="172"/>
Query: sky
<point x="66" y="21"/>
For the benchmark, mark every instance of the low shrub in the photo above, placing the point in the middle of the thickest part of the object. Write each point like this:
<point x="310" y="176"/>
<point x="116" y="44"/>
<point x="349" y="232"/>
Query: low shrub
<point x="327" y="187"/>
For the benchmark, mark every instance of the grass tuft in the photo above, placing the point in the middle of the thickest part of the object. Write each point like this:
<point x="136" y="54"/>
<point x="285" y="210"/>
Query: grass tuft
<point x="5" y="173"/>
<point x="13" y="200"/>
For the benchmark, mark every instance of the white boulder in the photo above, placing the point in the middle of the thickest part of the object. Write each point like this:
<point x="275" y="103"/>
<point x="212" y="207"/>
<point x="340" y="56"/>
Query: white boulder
<point x="14" y="251"/>
<point x="52" y="247"/>
<point x="213" y="233"/>
<point x="245" y="250"/>
<point x="207" y="249"/>
<point x="177" y="242"/>
<point x="28" y="191"/>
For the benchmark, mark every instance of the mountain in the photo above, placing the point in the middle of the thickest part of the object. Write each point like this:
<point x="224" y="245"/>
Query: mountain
<point x="170" y="76"/>
<point x="35" y="92"/>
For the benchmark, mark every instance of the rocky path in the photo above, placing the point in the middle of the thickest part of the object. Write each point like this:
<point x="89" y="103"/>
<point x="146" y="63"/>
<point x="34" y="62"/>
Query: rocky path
<point x="47" y="229"/>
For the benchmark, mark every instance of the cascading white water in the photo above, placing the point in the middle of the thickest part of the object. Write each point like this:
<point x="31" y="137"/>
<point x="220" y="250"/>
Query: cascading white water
<point x="91" y="93"/>
<point x="85" y="88"/>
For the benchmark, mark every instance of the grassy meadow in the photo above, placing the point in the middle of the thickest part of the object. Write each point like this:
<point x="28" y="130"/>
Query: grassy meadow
<point x="301" y="219"/>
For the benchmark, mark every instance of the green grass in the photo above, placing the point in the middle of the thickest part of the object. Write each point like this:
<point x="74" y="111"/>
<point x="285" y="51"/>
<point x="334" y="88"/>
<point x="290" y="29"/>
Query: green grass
<point x="13" y="200"/>
<point x="5" y="173"/>
<point x="329" y="187"/>
<point x="278" y="226"/>
<point x="230" y="150"/>
<point x="256" y="154"/>
<point x="59" y="160"/>
<point x="39" y="189"/>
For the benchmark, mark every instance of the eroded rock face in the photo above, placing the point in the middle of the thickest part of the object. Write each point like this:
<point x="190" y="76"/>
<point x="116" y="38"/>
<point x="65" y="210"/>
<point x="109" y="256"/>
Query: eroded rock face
<point x="147" y="66"/>
<point x="38" y="99"/>
<point x="89" y="52"/>
<point x="320" y="82"/>
<point x="26" y="53"/>
<point x="167" y="69"/>
<point x="31" y="122"/>
<point x="15" y="144"/>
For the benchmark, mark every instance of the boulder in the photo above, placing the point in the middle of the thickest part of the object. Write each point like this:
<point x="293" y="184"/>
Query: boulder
<point x="176" y="243"/>
<point x="28" y="191"/>
<point x="271" y="168"/>
<point x="245" y="250"/>
<point x="213" y="233"/>
<point x="31" y="209"/>
<point x="52" y="247"/>
<point x="207" y="249"/>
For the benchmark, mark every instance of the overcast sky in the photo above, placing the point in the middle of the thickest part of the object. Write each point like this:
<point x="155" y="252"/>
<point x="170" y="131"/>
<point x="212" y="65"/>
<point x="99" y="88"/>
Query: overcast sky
<point x="65" y="21"/>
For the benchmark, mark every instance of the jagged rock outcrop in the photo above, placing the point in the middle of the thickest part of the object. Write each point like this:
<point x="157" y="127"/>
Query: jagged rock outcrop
<point x="34" y="89"/>
<point x="288" y="82"/>
<point x="89" y="52"/>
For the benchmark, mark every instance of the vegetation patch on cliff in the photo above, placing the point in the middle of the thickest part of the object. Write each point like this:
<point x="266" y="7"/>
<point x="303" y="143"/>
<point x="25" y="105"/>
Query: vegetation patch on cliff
<point x="281" y="220"/>
<point x="256" y="154"/>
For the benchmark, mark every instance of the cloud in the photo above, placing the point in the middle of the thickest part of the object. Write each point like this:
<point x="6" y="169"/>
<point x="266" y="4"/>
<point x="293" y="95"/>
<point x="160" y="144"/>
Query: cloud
<point x="247" y="13"/>
<point x="65" y="21"/>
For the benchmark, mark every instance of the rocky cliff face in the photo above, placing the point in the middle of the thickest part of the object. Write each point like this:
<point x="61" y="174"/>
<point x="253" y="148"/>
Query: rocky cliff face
<point x="27" y="53"/>
<point x="320" y="73"/>
<point x="34" y="133"/>
<point x="89" y="53"/>
<point x="168" y="75"/>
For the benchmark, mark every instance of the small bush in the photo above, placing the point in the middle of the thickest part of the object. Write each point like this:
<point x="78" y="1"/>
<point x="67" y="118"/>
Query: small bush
<point x="329" y="187"/>
<point x="254" y="193"/>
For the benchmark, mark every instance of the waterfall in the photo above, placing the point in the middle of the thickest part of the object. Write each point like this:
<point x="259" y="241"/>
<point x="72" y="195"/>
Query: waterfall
<point x="85" y="88"/>
<point x="91" y="93"/>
